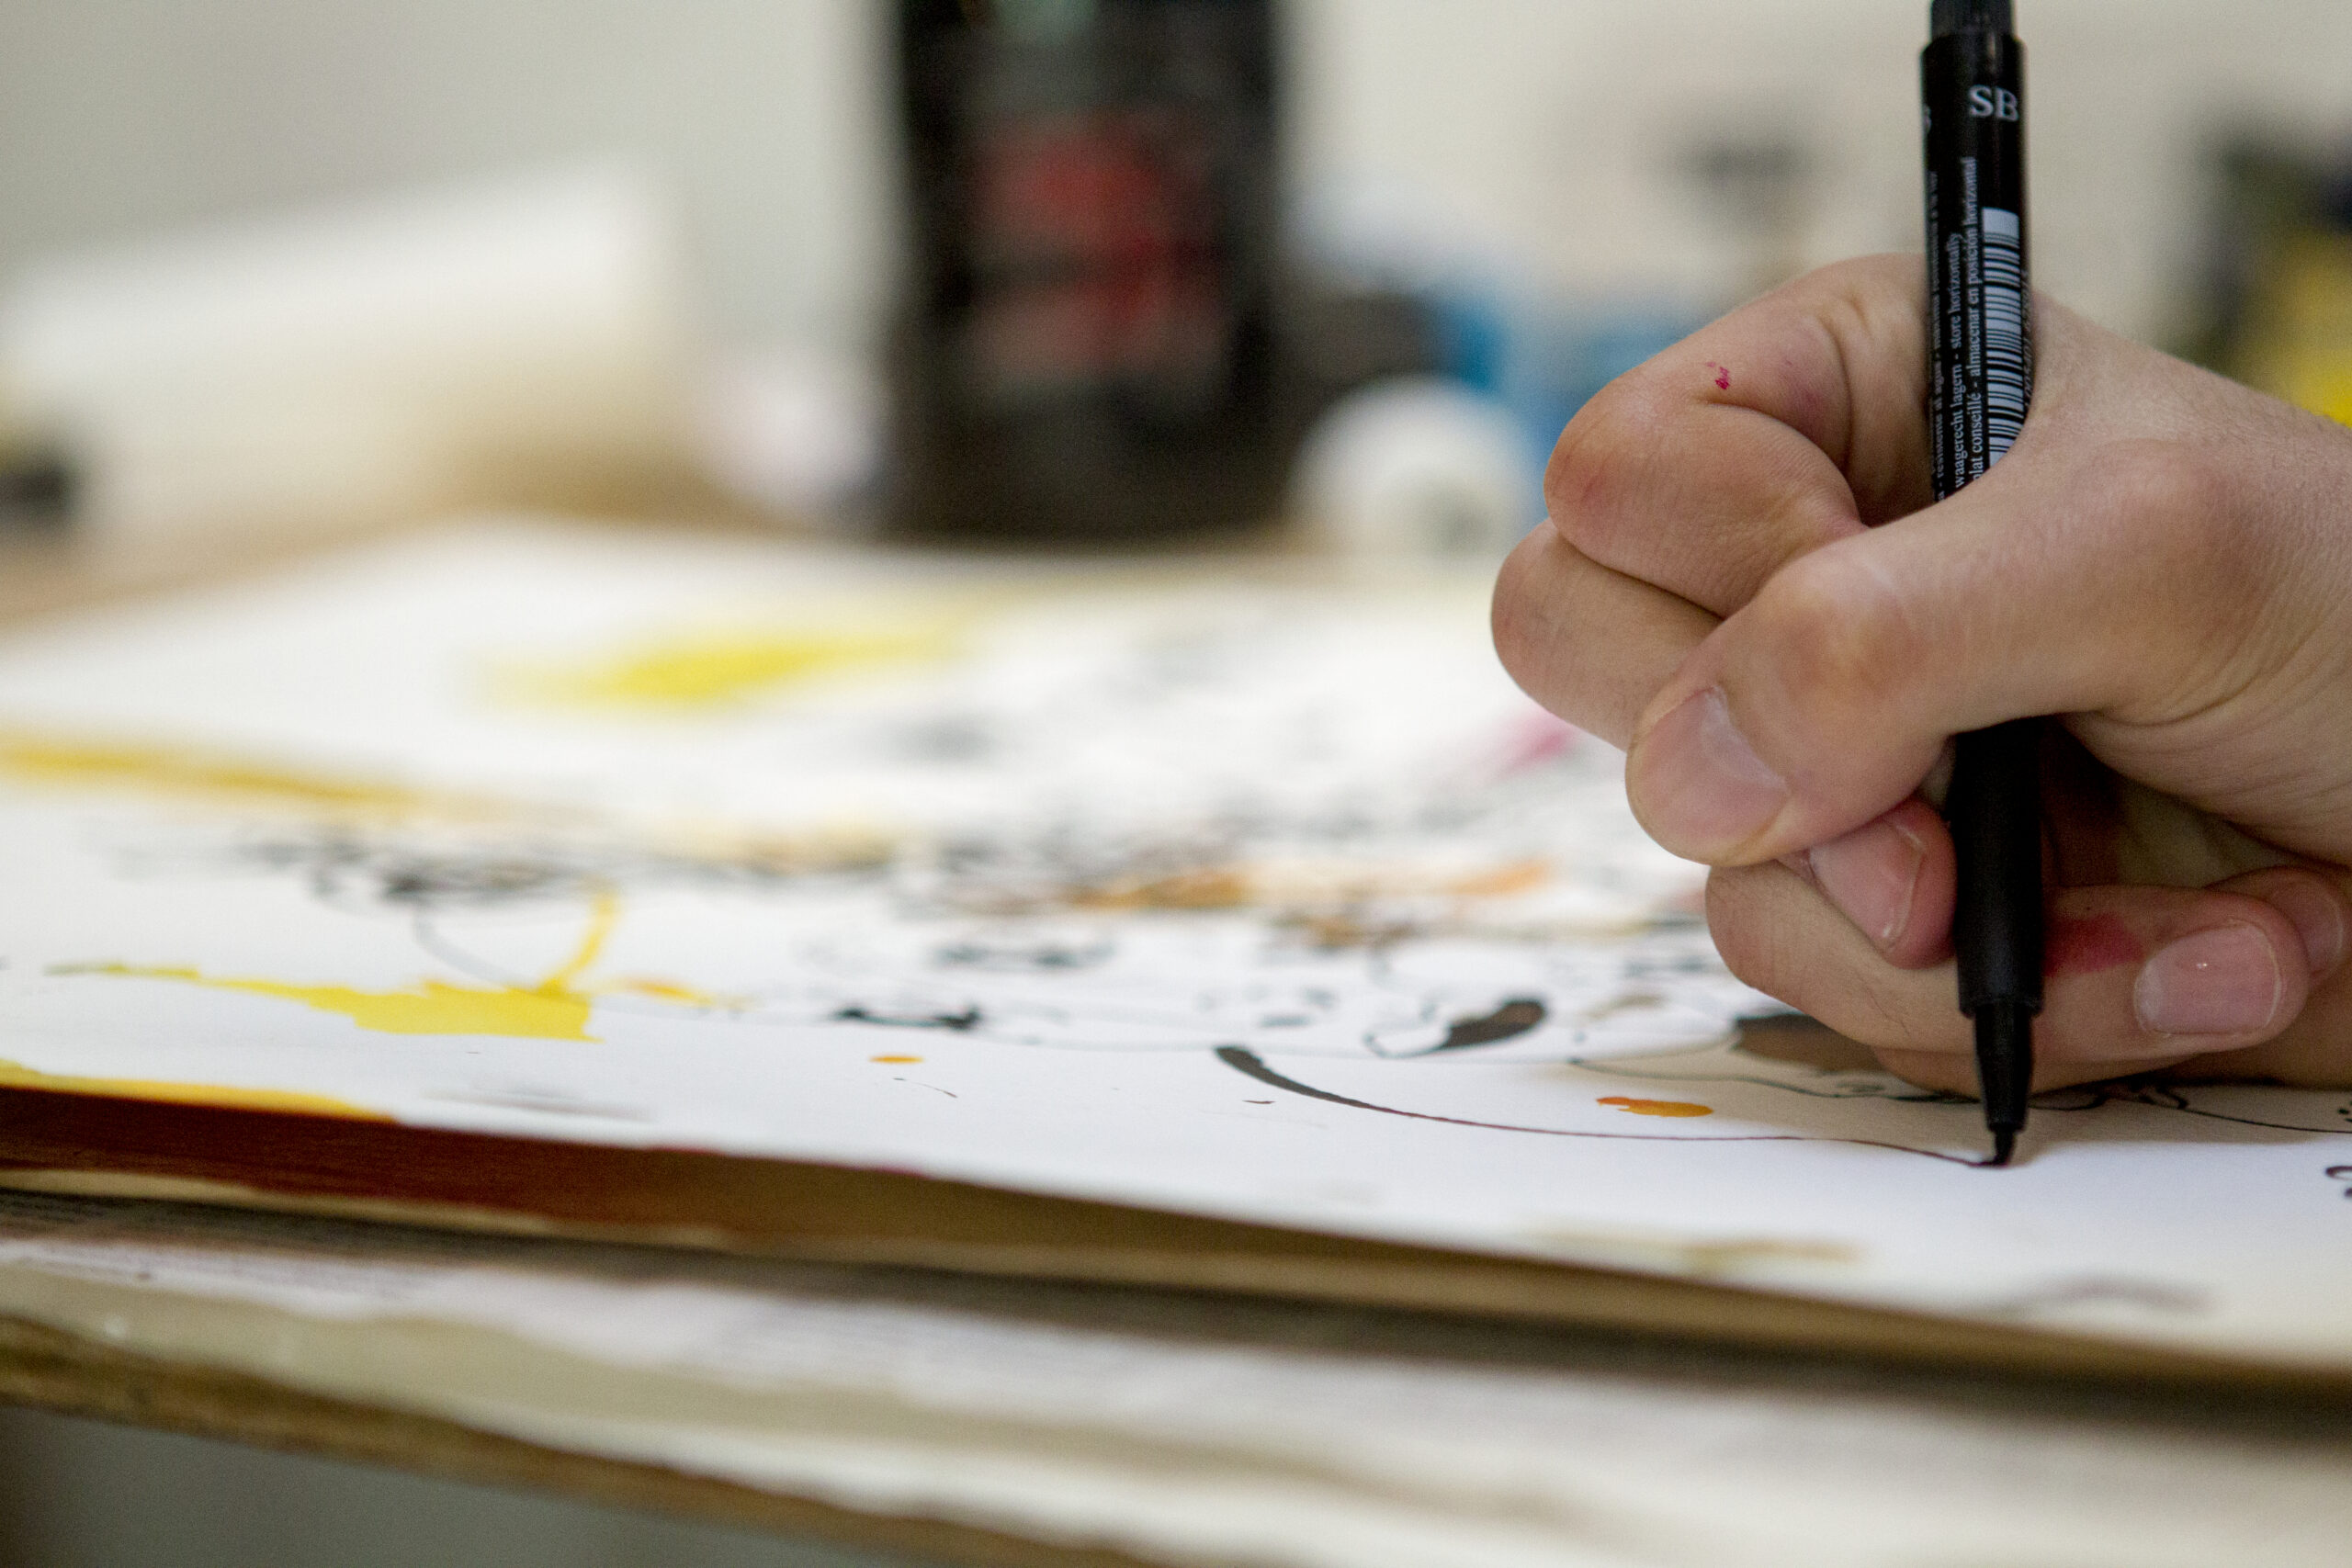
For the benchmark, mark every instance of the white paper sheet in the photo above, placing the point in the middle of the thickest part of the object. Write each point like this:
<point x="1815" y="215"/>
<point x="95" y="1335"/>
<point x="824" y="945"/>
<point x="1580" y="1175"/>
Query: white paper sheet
<point x="1257" y="895"/>
<point x="1184" y="1434"/>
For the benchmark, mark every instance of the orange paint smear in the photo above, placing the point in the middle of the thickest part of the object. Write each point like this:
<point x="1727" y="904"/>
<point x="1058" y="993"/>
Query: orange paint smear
<point x="1520" y="876"/>
<point x="1658" y="1107"/>
<point x="1215" y="888"/>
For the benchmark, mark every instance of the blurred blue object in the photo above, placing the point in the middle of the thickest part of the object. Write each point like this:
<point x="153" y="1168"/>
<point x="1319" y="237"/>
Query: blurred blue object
<point x="1545" y="360"/>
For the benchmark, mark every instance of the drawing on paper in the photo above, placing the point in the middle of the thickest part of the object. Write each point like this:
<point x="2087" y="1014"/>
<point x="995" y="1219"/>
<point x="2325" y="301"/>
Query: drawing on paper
<point x="1263" y="900"/>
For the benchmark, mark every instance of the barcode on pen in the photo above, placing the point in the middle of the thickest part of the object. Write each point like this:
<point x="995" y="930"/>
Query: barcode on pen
<point x="2008" y="378"/>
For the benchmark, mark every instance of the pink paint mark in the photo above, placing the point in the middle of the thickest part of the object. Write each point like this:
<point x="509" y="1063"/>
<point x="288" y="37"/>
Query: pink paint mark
<point x="1722" y="375"/>
<point x="2086" y="947"/>
<point x="1536" y="740"/>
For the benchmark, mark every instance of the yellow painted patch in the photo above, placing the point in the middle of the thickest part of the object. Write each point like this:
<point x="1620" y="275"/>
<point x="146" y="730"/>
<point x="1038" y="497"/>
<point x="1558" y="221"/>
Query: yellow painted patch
<point x="556" y="1008"/>
<point x="160" y="769"/>
<point x="713" y="669"/>
<point x="430" y="1007"/>
<point x="15" y="1076"/>
<point x="1658" y="1107"/>
<point x="895" y="1060"/>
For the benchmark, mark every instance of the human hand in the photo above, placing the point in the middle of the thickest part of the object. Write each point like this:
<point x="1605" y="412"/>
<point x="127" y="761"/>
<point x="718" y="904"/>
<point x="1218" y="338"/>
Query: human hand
<point x="1743" y="582"/>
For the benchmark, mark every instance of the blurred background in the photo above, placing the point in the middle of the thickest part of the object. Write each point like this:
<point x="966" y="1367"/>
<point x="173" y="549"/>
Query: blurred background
<point x="1108" y="272"/>
<point x="1114" y="269"/>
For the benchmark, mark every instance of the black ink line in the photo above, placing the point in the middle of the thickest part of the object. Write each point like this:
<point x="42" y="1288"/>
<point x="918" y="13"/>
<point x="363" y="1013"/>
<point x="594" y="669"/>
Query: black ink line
<point x="1248" y="1062"/>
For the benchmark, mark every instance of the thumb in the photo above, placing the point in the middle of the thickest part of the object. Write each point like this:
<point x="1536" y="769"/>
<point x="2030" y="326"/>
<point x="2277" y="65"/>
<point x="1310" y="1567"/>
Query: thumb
<point x="1827" y="698"/>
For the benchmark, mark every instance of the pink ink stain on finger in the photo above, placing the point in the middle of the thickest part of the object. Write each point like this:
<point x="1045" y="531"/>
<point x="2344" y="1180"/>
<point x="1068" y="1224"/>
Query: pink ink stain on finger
<point x="1722" y="375"/>
<point x="2086" y="947"/>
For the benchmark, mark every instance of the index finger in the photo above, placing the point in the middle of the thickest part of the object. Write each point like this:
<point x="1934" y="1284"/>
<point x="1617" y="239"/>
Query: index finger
<point x="1795" y="421"/>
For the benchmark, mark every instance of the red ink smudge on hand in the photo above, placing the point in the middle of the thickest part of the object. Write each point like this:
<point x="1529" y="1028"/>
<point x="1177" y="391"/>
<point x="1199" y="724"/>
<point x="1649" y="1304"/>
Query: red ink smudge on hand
<point x="2086" y="947"/>
<point x="1722" y="375"/>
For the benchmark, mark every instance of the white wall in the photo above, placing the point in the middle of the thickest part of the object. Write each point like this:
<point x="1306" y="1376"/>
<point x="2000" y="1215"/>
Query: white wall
<point x="118" y="116"/>
<point x="1553" y="127"/>
<point x="1558" y="127"/>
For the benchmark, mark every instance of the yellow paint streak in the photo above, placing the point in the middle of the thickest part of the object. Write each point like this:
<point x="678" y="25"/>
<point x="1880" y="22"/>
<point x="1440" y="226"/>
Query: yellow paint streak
<point x="430" y="1007"/>
<point x="162" y="770"/>
<point x="1658" y="1107"/>
<point x="553" y="1009"/>
<point x="895" y="1061"/>
<point x="662" y="991"/>
<point x="602" y="918"/>
<point x="13" y="1075"/>
<point x="713" y="670"/>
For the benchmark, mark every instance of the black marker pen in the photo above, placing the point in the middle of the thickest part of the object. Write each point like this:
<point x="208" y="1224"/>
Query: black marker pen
<point x="1980" y="378"/>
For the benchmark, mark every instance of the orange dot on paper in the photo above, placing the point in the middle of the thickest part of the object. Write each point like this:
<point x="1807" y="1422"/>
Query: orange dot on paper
<point x="894" y="1060"/>
<point x="1658" y="1106"/>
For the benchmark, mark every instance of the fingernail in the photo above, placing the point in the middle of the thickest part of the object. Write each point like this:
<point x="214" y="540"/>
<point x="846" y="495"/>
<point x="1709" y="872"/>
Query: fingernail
<point x="1871" y="874"/>
<point x="1698" y="785"/>
<point x="2318" y="916"/>
<point x="2217" y="982"/>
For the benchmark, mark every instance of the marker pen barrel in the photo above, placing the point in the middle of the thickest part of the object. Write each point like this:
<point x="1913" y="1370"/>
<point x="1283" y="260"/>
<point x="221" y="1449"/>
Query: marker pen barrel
<point x="1980" y="381"/>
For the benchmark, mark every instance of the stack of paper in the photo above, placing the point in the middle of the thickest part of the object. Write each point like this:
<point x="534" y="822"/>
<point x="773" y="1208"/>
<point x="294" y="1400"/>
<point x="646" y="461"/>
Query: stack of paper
<point x="1258" y="895"/>
<point x="1180" y="1431"/>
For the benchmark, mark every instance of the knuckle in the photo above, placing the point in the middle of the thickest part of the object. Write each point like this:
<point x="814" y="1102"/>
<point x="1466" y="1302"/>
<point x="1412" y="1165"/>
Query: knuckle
<point x="1833" y="632"/>
<point x="1770" y="933"/>
<point x="1593" y="483"/>
<point x="1744" y="933"/>
<point x="1520" y="617"/>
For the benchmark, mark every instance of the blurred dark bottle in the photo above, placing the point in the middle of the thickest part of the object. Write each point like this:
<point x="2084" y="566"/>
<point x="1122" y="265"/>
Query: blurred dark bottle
<point x="1088" y="349"/>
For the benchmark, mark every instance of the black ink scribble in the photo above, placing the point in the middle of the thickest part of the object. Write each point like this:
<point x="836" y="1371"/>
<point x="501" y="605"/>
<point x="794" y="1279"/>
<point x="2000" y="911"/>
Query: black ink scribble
<point x="2164" y="1097"/>
<point x="953" y="1022"/>
<point x="1875" y="1085"/>
<point x="357" y="871"/>
<point x="1016" y="957"/>
<point x="2341" y="1173"/>
<point x="1509" y="1022"/>
<point x="1250" y="1065"/>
